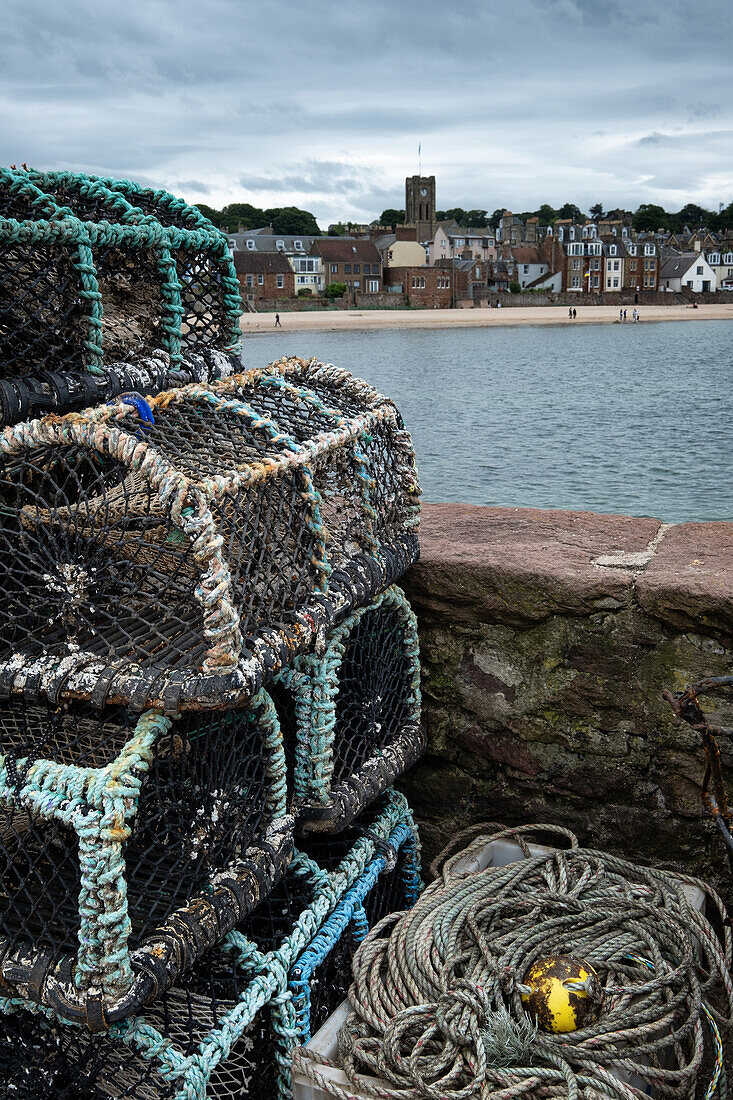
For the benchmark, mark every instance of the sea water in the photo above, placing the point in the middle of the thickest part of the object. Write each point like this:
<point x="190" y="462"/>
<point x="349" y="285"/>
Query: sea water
<point x="634" y="419"/>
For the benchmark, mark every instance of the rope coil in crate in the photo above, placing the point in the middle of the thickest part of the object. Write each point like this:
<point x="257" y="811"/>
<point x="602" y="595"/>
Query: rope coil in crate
<point x="437" y="994"/>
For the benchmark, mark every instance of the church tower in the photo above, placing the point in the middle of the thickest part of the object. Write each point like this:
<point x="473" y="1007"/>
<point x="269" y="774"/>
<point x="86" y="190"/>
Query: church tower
<point x="420" y="205"/>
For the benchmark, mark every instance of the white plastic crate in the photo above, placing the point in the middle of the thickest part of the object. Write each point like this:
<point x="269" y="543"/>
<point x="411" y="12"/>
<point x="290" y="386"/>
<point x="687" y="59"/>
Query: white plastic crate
<point x="498" y="853"/>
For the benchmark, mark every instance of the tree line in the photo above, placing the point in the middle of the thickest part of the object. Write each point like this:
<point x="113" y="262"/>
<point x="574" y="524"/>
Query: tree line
<point x="288" y="220"/>
<point x="647" y="217"/>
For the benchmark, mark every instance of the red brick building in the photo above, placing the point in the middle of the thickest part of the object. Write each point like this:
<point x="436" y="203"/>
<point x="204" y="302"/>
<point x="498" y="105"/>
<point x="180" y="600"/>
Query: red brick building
<point x="354" y="261"/>
<point x="427" y="287"/>
<point x="265" y="275"/>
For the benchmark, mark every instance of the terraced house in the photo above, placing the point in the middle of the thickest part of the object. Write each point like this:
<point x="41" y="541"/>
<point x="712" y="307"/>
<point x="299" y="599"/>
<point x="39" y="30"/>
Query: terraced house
<point x="353" y="261"/>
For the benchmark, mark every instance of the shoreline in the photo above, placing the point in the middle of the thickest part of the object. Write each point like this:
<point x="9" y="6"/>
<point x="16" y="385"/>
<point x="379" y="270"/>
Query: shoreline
<point x="263" y="324"/>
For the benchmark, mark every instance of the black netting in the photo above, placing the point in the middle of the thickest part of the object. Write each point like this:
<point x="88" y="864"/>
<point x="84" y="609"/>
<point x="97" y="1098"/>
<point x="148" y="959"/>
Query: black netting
<point x="103" y="558"/>
<point x="40" y="1061"/>
<point x="203" y="800"/>
<point x="117" y="282"/>
<point x="54" y="1058"/>
<point x="376" y="688"/>
<point x="375" y="707"/>
<point x="201" y="298"/>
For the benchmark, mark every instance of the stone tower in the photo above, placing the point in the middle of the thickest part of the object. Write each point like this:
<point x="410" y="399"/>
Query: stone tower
<point x="420" y="205"/>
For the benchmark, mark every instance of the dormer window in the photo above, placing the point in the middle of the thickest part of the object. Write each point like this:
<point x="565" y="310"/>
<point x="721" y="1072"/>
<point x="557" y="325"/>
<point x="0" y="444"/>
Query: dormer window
<point x="632" y="250"/>
<point x="612" y="250"/>
<point x="728" y="258"/>
<point x="715" y="258"/>
<point x="648" y="249"/>
<point x="280" y="246"/>
<point x="251" y="245"/>
<point x="298" y="245"/>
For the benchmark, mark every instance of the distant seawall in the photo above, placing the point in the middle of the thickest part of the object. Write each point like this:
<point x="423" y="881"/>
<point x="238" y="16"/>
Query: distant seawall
<point x="547" y="639"/>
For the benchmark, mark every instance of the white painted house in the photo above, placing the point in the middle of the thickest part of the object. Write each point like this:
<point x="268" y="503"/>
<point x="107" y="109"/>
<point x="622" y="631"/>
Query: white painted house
<point x="688" y="270"/>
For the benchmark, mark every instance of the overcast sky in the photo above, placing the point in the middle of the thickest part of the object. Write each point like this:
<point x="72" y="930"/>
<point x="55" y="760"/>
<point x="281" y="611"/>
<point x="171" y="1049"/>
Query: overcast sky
<point x="322" y="105"/>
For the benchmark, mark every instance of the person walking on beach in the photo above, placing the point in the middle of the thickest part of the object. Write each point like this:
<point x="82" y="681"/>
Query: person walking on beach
<point x="620" y="315"/>
<point x="575" y="313"/>
<point x="277" y="321"/>
<point x="570" y="313"/>
<point x="633" y="315"/>
<point x="624" y="315"/>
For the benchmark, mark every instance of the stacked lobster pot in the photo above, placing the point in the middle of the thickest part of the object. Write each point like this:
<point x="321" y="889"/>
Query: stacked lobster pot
<point x="107" y="287"/>
<point x="208" y="683"/>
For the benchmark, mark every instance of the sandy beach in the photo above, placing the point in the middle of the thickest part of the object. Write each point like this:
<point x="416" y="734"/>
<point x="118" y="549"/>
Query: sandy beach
<point x="354" y="319"/>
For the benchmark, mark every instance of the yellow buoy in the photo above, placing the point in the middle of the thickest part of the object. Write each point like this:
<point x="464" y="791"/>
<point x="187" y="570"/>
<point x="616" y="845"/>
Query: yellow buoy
<point x="565" y="994"/>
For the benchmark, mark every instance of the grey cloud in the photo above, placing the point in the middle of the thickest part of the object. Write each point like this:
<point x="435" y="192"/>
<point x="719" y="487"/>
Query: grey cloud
<point x="328" y="102"/>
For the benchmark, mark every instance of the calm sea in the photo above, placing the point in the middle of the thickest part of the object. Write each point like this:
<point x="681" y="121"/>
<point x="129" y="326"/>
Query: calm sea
<point x="607" y="418"/>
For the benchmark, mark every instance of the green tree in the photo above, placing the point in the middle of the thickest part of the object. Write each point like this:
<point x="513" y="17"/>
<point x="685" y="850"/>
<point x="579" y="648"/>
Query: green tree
<point x="515" y="288"/>
<point x="691" y="215"/>
<point x="335" y="290"/>
<point x="244" y="214"/>
<point x="337" y="229"/>
<point x="596" y="211"/>
<point x="392" y="218"/>
<point x="292" y="220"/>
<point x="496" y="217"/>
<point x="477" y="219"/>
<point x="214" y="216"/>
<point x="570" y="210"/>
<point x="649" y="217"/>
<point x="546" y="214"/>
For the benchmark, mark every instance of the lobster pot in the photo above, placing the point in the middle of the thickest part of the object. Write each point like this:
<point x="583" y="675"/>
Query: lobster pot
<point x="351" y="716"/>
<point x="176" y="555"/>
<point x="88" y="277"/>
<point x="229" y="1030"/>
<point x="65" y="391"/>
<point x="130" y="845"/>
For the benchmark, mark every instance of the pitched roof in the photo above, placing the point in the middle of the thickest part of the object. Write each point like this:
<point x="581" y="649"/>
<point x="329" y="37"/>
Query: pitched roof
<point x="528" y="256"/>
<point x="675" y="266"/>
<point x="345" y="249"/>
<point x="268" y="242"/>
<point x="250" y="263"/>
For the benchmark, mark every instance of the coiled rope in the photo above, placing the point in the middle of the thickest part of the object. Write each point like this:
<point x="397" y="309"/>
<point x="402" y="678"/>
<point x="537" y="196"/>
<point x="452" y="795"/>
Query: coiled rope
<point x="436" y="998"/>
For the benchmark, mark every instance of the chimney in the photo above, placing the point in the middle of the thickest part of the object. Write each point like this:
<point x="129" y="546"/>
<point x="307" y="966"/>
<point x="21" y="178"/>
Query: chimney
<point x="698" y="245"/>
<point x="406" y="232"/>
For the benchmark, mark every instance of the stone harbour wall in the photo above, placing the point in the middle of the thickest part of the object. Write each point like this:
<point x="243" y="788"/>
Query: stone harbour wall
<point x="547" y="639"/>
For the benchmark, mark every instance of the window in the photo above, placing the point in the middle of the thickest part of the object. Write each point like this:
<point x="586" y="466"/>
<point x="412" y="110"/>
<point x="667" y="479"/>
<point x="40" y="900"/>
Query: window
<point x="576" y="265"/>
<point x="595" y="280"/>
<point x="373" y="286"/>
<point x="699" y="270"/>
<point x="615" y="265"/>
<point x="714" y="258"/>
<point x="298" y="245"/>
<point x="250" y="280"/>
<point x="260" y="279"/>
<point x="728" y="258"/>
<point x="280" y="282"/>
<point x="357" y="284"/>
<point x="648" y="249"/>
<point x="632" y="265"/>
<point x="347" y="269"/>
<point x="366" y="269"/>
<point x="478" y="272"/>
<point x="356" y="269"/>
<point x="250" y="297"/>
<point x="615" y="283"/>
<point x="414" y="282"/>
<point x="612" y="250"/>
<point x="251" y="245"/>
<point x="632" y="250"/>
<point x="576" y="282"/>
<point x="525" y="266"/>
<point x="280" y="246"/>
<point x="334" y="269"/>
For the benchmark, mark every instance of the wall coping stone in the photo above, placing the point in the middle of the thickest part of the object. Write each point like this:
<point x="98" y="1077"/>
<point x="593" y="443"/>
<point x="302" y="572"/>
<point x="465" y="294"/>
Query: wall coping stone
<point x="522" y="565"/>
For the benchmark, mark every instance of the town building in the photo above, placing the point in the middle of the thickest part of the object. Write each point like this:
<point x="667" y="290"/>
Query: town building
<point x="687" y="270"/>
<point x="420" y="206"/>
<point x="530" y="264"/>
<point x="350" y="260"/>
<point x="722" y="264"/>
<point x="426" y="287"/>
<point x="264" y="275"/>
<point x="451" y="241"/>
<point x="613" y="266"/>
<point x="401" y="248"/>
